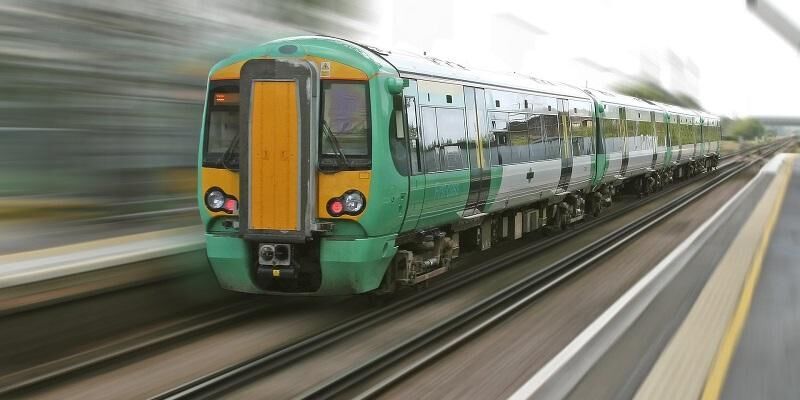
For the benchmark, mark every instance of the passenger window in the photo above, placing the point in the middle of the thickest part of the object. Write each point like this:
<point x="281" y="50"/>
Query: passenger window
<point x="444" y="140"/>
<point x="631" y="135"/>
<point x="646" y="134"/>
<point x="536" y="137"/>
<point x="413" y="134"/>
<point x="582" y="136"/>
<point x="498" y="126"/>
<point x="452" y="138"/>
<point x="552" y="137"/>
<point x="686" y="133"/>
<point x="518" y="138"/>
<point x="582" y="128"/>
<point x="611" y="134"/>
<point x="430" y="149"/>
<point x="661" y="132"/>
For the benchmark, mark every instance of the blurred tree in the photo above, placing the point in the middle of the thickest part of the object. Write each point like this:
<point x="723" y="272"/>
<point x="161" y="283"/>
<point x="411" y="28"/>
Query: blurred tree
<point x="745" y="128"/>
<point x="649" y="90"/>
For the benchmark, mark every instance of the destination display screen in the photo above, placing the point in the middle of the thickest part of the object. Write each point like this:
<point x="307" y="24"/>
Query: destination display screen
<point x="226" y="99"/>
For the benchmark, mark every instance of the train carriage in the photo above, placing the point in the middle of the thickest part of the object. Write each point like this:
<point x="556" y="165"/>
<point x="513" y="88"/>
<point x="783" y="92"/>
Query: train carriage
<point x="634" y="134"/>
<point x="327" y="167"/>
<point x="694" y="149"/>
<point x="682" y="133"/>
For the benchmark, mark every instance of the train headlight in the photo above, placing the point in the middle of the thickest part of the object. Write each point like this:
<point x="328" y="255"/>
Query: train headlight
<point x="215" y="199"/>
<point x="353" y="202"/>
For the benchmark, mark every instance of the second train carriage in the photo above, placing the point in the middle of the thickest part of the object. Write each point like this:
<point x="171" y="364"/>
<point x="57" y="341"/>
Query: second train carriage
<point x="634" y="133"/>
<point x="327" y="167"/>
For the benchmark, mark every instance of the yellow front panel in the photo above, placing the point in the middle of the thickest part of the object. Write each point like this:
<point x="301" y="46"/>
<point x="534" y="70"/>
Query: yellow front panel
<point x="274" y="191"/>
<point x="228" y="72"/>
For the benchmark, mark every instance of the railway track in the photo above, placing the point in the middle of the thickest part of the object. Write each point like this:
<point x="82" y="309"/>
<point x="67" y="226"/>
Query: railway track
<point x="219" y="317"/>
<point x="140" y="342"/>
<point x="473" y="321"/>
<point x="512" y="298"/>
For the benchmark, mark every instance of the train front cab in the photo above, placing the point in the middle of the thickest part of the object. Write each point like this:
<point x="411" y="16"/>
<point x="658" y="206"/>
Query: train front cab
<point x="287" y="186"/>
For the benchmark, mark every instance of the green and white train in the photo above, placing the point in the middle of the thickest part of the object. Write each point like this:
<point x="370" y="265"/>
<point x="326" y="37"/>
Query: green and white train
<point x="328" y="168"/>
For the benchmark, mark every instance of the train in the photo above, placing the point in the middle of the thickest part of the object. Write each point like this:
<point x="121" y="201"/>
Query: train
<point x="327" y="167"/>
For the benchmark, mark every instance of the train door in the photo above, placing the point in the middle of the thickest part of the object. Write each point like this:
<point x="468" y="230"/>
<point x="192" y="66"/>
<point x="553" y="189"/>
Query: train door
<point x="443" y="129"/>
<point x="623" y="126"/>
<point x="479" y="166"/>
<point x="566" y="145"/>
<point x="416" y="178"/>
<point x="582" y="138"/>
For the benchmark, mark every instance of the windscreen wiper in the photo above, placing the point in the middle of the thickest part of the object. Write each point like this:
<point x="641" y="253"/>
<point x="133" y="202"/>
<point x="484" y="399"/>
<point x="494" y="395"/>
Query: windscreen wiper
<point x="326" y="130"/>
<point x="228" y="156"/>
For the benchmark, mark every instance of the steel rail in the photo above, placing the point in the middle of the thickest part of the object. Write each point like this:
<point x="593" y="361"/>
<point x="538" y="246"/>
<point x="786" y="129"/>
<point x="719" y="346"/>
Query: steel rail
<point x="183" y="329"/>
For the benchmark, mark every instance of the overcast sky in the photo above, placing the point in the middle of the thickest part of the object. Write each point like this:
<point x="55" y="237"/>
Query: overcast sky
<point x="725" y="56"/>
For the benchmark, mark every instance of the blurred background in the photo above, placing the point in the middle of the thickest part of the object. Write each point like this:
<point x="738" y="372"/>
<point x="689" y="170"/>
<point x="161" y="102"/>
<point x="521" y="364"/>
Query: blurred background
<point x="102" y="100"/>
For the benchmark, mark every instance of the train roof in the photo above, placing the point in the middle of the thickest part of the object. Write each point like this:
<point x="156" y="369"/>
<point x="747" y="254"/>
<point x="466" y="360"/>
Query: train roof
<point x="673" y="109"/>
<point x="604" y="96"/>
<point x="413" y="65"/>
<point x="707" y="116"/>
<point x="422" y="66"/>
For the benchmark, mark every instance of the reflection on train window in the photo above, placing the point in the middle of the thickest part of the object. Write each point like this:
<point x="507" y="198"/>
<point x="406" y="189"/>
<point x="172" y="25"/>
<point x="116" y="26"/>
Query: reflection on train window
<point x="223" y="126"/>
<point x="413" y="134"/>
<point x="444" y="139"/>
<point x="645" y="133"/>
<point x="581" y="128"/>
<point x="611" y="133"/>
<point x="582" y="136"/>
<point x="661" y="131"/>
<point x="630" y="135"/>
<point x="345" y="119"/>
<point x="522" y="137"/>
<point x="518" y="137"/>
<point x="498" y="128"/>
<point x="429" y="142"/>
<point x="452" y="138"/>
<point x="221" y="149"/>
<point x="552" y="137"/>
<point x="536" y="137"/>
